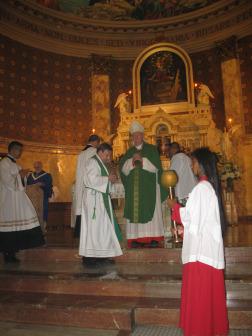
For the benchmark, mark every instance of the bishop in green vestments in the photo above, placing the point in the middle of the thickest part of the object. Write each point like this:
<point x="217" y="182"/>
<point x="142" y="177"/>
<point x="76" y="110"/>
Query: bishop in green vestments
<point x="141" y="170"/>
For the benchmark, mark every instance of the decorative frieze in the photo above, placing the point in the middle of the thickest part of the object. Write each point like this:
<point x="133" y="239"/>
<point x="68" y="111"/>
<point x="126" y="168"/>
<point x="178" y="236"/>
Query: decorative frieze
<point x="194" y="31"/>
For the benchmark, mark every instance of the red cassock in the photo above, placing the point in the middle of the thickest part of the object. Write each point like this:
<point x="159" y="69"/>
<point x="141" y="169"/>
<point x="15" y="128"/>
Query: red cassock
<point x="203" y="309"/>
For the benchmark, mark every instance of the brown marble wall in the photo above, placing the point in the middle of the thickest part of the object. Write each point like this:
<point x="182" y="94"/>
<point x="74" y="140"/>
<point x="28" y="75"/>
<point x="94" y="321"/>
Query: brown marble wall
<point x="44" y="97"/>
<point x="245" y="55"/>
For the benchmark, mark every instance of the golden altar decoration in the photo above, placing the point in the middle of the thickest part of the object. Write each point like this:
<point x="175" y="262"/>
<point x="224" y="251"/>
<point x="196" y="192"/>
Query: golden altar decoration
<point x="160" y="101"/>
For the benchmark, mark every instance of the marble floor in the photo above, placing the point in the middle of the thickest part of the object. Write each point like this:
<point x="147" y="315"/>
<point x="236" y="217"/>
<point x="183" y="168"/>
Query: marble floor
<point x="19" y="329"/>
<point x="236" y="235"/>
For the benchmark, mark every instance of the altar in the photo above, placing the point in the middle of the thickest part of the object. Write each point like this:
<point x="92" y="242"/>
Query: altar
<point x="166" y="101"/>
<point x="171" y="107"/>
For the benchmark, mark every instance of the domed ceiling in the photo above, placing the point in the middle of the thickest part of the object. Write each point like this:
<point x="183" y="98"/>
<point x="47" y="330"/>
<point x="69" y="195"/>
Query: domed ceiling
<point x="123" y="28"/>
<point x="126" y="9"/>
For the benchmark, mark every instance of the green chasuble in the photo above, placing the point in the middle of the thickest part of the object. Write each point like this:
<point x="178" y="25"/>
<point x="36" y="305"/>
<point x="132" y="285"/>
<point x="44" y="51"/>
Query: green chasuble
<point x="140" y="186"/>
<point x="107" y="202"/>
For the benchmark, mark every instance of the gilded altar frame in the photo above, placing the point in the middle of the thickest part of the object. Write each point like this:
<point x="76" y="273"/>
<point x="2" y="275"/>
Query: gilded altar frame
<point x="143" y="56"/>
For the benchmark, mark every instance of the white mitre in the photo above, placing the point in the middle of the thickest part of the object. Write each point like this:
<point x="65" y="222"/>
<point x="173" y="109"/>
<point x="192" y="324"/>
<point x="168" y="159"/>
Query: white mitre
<point x="136" y="127"/>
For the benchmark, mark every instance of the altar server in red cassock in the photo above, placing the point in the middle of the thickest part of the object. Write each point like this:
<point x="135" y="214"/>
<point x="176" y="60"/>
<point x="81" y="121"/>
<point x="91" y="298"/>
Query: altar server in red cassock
<point x="203" y="300"/>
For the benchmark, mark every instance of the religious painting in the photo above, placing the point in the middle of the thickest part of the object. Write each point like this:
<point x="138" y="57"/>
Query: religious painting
<point x="163" y="79"/>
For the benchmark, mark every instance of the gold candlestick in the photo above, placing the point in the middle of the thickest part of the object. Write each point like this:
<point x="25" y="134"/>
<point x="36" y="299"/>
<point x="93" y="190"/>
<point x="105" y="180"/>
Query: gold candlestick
<point x="169" y="180"/>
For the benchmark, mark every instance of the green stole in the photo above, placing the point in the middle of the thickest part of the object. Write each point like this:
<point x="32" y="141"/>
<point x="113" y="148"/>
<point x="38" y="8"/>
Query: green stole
<point x="107" y="200"/>
<point x="140" y="186"/>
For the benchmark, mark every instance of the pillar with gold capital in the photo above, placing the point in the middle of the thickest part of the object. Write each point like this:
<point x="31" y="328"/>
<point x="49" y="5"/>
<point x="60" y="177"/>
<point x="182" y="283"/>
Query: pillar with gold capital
<point x="100" y="86"/>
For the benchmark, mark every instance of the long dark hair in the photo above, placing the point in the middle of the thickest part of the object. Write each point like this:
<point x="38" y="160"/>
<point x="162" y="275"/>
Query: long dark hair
<point x="208" y="162"/>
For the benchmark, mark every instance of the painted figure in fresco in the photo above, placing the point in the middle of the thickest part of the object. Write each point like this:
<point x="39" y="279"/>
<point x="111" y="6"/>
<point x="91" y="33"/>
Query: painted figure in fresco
<point x="101" y="103"/>
<point x="163" y="79"/>
<point x="125" y="9"/>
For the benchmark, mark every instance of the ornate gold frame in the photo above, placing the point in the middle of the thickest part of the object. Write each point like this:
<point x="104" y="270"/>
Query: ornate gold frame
<point x="152" y="50"/>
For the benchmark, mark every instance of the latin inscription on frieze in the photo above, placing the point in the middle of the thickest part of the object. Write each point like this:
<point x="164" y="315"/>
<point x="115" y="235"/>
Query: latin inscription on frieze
<point x="118" y="42"/>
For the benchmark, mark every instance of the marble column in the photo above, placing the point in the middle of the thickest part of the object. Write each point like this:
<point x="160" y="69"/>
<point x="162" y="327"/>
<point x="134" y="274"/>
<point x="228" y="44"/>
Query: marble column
<point x="231" y="79"/>
<point x="100" y="84"/>
<point x="232" y="89"/>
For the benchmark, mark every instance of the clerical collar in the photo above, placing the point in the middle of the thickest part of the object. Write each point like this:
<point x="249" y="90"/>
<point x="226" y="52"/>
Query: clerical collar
<point x="11" y="158"/>
<point x="38" y="174"/>
<point x="139" y="147"/>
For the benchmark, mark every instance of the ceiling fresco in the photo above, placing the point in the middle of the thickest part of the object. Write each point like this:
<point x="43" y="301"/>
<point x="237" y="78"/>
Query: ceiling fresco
<point x="126" y="9"/>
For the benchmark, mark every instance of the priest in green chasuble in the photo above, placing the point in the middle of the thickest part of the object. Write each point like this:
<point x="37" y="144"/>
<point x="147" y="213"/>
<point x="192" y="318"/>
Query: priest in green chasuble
<point x="141" y="170"/>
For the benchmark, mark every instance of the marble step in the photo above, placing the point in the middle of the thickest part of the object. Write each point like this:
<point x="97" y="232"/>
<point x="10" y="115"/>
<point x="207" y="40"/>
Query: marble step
<point x="239" y="314"/>
<point x="170" y="255"/>
<point x="26" y="329"/>
<point x="67" y="310"/>
<point x="123" y="279"/>
<point x="115" y="313"/>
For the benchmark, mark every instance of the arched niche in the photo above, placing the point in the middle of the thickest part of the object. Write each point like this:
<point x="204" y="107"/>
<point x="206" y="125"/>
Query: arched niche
<point x="162" y="75"/>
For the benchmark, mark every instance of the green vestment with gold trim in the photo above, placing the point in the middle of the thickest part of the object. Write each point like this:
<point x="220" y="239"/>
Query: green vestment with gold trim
<point x="140" y="185"/>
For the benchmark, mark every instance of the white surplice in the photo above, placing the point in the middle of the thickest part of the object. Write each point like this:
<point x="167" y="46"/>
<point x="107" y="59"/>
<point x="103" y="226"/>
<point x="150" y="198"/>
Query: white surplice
<point x="82" y="162"/>
<point x="16" y="210"/>
<point x="181" y="163"/>
<point x="202" y="228"/>
<point x="155" y="227"/>
<point x="97" y="236"/>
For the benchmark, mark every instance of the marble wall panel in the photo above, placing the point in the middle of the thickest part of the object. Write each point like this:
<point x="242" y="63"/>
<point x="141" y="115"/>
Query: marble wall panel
<point x="245" y="57"/>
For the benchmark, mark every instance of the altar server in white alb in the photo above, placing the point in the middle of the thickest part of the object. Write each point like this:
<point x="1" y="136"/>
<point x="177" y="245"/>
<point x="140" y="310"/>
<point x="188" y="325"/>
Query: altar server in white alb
<point x="82" y="161"/>
<point x="100" y="233"/>
<point x="19" y="225"/>
<point x="181" y="163"/>
<point x="203" y="309"/>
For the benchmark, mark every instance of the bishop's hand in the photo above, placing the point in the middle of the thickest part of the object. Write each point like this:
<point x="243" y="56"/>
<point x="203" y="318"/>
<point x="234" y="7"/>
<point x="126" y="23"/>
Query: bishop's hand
<point x="137" y="157"/>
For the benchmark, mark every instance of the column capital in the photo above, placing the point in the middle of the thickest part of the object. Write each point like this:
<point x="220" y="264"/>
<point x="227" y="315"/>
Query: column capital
<point x="100" y="65"/>
<point x="227" y="49"/>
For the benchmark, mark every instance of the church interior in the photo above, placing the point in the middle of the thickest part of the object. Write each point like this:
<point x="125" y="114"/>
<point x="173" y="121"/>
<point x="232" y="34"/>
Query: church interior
<point x="69" y="69"/>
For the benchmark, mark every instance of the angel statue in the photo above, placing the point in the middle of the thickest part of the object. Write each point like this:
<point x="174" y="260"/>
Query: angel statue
<point x="123" y="103"/>
<point x="231" y="139"/>
<point x="204" y="94"/>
